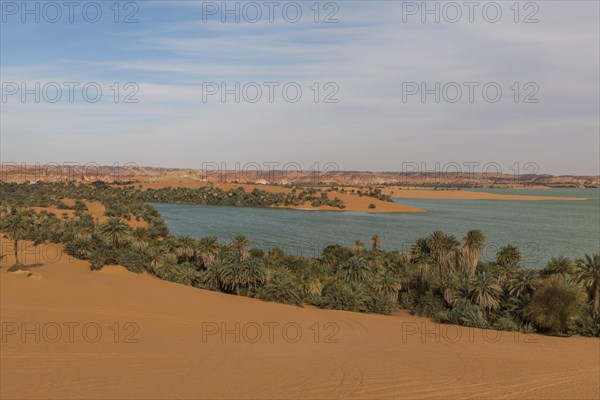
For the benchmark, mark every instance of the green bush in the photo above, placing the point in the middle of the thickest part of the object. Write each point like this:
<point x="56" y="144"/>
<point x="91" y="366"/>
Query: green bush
<point x="430" y="304"/>
<point x="555" y="304"/>
<point x="586" y="325"/>
<point x="506" y="323"/>
<point x="281" y="289"/>
<point x="466" y="314"/>
<point x="381" y="304"/>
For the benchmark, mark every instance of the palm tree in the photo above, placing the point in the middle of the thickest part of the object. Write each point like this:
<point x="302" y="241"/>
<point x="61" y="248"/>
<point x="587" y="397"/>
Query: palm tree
<point x="358" y="247"/>
<point x="115" y="231"/>
<point x="140" y="238"/>
<point x="589" y="274"/>
<point x="187" y="274"/>
<point x="508" y="255"/>
<point x="185" y="248"/>
<point x="16" y="225"/>
<point x="169" y="245"/>
<point x="310" y="276"/>
<point x="505" y="273"/>
<point x="81" y="233"/>
<point x="376" y="241"/>
<point x="355" y="270"/>
<point x="155" y="253"/>
<point x="311" y="285"/>
<point x="209" y="248"/>
<point x="281" y="288"/>
<point x="241" y="244"/>
<point x="443" y="251"/>
<point x="558" y="265"/>
<point x="165" y="267"/>
<point x="473" y="245"/>
<point x="485" y="291"/>
<point x="230" y="276"/>
<point x="252" y="274"/>
<point x="333" y="255"/>
<point x="523" y="284"/>
<point x="342" y="296"/>
<point x="453" y="289"/>
<point x="388" y="285"/>
<point x="212" y="275"/>
<point x="421" y="254"/>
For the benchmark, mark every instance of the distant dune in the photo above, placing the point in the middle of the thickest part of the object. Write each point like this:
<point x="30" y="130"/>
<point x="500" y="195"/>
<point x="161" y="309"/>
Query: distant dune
<point x="255" y="172"/>
<point x="343" y="182"/>
<point x="134" y="336"/>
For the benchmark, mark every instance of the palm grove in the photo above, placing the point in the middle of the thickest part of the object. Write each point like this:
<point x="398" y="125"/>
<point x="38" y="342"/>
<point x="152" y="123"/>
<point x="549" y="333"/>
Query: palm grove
<point x="441" y="276"/>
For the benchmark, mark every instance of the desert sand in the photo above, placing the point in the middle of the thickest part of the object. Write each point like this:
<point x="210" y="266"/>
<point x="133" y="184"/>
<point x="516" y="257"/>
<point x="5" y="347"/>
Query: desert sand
<point x="95" y="208"/>
<point x="115" y="334"/>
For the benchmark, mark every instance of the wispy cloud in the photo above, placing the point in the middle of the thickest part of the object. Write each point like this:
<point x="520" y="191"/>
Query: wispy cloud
<point x="369" y="54"/>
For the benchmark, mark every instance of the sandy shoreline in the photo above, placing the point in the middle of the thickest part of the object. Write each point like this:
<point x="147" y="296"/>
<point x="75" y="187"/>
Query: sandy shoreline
<point x="356" y="203"/>
<point x="467" y="195"/>
<point x="166" y="346"/>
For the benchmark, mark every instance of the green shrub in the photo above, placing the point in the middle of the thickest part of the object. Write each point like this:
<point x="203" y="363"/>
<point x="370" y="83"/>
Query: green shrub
<point x="586" y="325"/>
<point x="406" y="299"/>
<point x="281" y="289"/>
<point x="466" y="314"/>
<point x="131" y="260"/>
<point x="337" y="295"/>
<point x="381" y="304"/>
<point x="555" y="303"/>
<point x="430" y="304"/>
<point x="506" y="323"/>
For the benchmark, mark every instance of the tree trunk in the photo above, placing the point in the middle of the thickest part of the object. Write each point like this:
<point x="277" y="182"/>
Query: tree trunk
<point x="16" y="247"/>
<point x="596" y="299"/>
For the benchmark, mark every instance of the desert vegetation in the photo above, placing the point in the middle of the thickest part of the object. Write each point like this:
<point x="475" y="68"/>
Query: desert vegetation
<point x="442" y="277"/>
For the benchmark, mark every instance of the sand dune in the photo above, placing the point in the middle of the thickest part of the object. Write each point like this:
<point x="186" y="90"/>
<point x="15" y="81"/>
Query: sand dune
<point x="171" y="344"/>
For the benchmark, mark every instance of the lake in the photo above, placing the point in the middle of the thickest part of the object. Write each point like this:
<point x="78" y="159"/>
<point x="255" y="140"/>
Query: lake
<point x="540" y="229"/>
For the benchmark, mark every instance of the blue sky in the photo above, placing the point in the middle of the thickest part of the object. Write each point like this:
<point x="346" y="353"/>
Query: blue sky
<point x="369" y="55"/>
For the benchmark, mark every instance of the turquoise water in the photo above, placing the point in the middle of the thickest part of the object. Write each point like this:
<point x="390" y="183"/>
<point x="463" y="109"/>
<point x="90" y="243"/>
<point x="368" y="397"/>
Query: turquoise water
<point x="541" y="229"/>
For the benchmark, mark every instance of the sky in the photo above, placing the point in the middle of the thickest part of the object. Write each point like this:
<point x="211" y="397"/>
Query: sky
<point x="364" y="85"/>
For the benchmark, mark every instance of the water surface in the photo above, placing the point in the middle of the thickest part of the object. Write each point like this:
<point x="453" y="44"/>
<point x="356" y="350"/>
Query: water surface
<point x="541" y="229"/>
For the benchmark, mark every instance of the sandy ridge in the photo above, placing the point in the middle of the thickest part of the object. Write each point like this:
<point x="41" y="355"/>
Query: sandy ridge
<point x="372" y="356"/>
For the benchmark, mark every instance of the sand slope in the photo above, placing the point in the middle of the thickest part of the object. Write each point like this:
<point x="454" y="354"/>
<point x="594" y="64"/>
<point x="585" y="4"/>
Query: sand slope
<point x="355" y="356"/>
